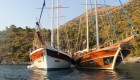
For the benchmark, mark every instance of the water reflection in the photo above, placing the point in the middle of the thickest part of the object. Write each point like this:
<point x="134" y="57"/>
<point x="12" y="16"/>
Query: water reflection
<point x="38" y="75"/>
<point x="51" y="75"/>
<point x="99" y="75"/>
<point x="124" y="72"/>
<point x="82" y="74"/>
<point x="123" y="75"/>
<point x="117" y="74"/>
<point x="20" y="72"/>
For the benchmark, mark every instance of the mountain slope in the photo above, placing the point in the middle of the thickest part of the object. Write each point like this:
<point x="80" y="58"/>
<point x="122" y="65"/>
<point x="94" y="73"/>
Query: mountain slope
<point x="75" y="30"/>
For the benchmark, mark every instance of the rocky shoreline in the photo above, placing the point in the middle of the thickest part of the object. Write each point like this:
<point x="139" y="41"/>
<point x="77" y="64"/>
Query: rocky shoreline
<point x="12" y="62"/>
<point x="132" y="60"/>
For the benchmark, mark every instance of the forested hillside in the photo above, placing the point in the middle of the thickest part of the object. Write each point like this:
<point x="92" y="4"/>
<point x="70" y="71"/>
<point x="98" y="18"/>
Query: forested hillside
<point x="76" y="29"/>
<point x="15" y="42"/>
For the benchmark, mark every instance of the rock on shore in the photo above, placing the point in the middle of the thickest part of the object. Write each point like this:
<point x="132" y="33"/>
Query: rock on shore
<point x="132" y="60"/>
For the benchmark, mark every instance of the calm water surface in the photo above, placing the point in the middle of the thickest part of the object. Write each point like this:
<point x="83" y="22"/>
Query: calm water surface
<point x="20" y="72"/>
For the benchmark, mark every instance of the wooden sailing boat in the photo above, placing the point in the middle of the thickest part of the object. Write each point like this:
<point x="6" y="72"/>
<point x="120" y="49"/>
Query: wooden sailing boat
<point x="48" y="58"/>
<point x="103" y="58"/>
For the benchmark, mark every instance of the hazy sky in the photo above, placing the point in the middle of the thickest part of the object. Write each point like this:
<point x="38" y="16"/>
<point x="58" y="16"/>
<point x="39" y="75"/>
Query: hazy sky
<point x="24" y="12"/>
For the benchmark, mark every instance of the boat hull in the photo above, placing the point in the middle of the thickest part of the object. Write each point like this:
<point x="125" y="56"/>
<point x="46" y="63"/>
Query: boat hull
<point x="50" y="59"/>
<point x="104" y="59"/>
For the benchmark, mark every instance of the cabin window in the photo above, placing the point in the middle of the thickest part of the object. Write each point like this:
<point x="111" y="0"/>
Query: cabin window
<point x="108" y="60"/>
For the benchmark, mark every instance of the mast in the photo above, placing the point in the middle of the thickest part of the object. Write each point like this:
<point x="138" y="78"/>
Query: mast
<point x="58" y="24"/>
<point x="52" y="24"/>
<point x="87" y="25"/>
<point x="97" y="32"/>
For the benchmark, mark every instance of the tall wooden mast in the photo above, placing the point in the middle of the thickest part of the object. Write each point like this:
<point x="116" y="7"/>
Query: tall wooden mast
<point x="87" y="25"/>
<point x="97" y="32"/>
<point x="58" y="24"/>
<point x="52" y="24"/>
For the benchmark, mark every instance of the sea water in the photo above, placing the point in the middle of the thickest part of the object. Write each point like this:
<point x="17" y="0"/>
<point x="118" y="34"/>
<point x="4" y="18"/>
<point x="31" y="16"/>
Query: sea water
<point x="20" y="72"/>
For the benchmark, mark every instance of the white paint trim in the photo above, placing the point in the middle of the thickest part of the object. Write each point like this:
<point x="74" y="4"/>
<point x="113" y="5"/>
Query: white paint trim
<point x="115" y="57"/>
<point x="36" y="51"/>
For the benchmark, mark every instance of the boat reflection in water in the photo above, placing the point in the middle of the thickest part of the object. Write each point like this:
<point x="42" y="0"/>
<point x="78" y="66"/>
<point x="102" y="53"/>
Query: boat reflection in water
<point x="82" y="74"/>
<point x="20" y="72"/>
<point x="62" y="74"/>
<point x="116" y="74"/>
<point x="38" y="75"/>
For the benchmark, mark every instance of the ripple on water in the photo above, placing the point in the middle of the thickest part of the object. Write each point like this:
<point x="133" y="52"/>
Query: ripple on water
<point x="20" y="72"/>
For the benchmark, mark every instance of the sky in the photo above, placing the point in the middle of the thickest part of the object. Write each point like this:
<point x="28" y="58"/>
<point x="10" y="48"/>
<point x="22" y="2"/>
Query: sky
<point x="23" y="13"/>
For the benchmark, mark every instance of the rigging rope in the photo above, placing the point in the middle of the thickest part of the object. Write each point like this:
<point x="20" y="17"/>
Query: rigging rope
<point x="42" y="11"/>
<point x="111" y="21"/>
<point x="129" y="21"/>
